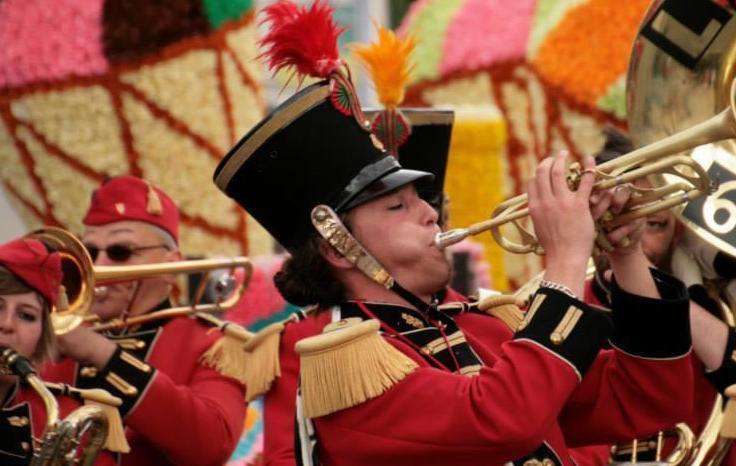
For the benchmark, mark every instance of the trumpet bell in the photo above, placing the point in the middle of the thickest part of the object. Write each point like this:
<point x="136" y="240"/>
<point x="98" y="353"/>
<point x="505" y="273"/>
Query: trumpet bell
<point x="680" y="74"/>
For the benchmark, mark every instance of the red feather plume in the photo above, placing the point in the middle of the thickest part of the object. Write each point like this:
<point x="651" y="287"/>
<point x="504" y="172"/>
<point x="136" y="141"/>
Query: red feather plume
<point x="301" y="38"/>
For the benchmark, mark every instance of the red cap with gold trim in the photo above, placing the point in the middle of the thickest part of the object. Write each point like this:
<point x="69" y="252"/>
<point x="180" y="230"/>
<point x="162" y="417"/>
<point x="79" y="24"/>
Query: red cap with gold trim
<point x="131" y="198"/>
<point x="32" y="263"/>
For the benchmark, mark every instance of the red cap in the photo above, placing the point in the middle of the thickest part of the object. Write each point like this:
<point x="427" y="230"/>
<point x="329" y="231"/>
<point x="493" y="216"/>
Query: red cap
<point x="31" y="262"/>
<point x="131" y="198"/>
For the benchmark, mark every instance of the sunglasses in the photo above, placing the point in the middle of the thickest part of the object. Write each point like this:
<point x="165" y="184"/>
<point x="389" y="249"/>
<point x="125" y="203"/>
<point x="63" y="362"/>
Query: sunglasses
<point x="119" y="252"/>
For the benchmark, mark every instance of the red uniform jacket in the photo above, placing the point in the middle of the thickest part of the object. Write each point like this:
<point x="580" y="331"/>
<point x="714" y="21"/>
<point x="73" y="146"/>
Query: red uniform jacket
<point x="176" y="410"/>
<point x="527" y="402"/>
<point x="597" y="293"/>
<point x="23" y="414"/>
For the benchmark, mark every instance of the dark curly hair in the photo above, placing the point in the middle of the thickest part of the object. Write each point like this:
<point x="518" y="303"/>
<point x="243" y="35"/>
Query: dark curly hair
<point x="306" y="278"/>
<point x="617" y="143"/>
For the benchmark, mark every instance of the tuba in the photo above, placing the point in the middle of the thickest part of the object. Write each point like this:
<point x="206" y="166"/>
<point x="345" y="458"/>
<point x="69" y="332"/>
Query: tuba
<point x="62" y="442"/>
<point x="680" y="73"/>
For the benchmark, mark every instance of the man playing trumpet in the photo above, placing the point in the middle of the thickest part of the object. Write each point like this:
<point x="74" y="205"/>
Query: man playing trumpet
<point x="439" y="385"/>
<point x="176" y="409"/>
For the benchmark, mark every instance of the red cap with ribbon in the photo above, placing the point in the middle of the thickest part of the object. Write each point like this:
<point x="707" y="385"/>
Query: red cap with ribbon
<point x="32" y="263"/>
<point x="131" y="198"/>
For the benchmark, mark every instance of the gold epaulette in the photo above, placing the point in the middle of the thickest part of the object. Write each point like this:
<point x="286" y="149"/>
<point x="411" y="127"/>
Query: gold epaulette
<point x="503" y="307"/>
<point x="109" y="404"/>
<point x="250" y="358"/>
<point x="348" y="365"/>
<point x="227" y="354"/>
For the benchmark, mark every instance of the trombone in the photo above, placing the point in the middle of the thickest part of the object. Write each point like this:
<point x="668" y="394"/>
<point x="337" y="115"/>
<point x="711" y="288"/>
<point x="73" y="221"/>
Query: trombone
<point x="82" y="278"/>
<point x="654" y="159"/>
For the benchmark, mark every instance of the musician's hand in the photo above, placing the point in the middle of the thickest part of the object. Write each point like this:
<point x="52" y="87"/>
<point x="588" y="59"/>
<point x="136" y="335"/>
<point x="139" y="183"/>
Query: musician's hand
<point x="84" y="345"/>
<point x="625" y="239"/>
<point x="562" y="220"/>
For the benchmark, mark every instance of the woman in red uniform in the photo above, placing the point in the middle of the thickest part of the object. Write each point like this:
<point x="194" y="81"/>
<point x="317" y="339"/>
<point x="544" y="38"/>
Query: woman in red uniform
<point x="30" y="279"/>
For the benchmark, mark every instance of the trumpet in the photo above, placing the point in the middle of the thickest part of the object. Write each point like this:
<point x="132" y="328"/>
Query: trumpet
<point x="82" y="278"/>
<point x="654" y="159"/>
<point x="60" y="444"/>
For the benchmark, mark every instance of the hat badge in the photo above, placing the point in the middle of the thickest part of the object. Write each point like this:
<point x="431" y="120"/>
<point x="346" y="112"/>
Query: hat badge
<point x="120" y="207"/>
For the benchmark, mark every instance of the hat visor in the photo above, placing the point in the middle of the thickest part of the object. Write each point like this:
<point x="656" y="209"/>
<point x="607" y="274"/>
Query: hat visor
<point x="386" y="184"/>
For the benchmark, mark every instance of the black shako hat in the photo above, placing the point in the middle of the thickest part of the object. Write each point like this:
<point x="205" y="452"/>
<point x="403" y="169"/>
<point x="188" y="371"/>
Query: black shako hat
<point x="427" y="147"/>
<point x="304" y="153"/>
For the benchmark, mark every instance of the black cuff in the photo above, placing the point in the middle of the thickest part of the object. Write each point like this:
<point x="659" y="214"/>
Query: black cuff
<point x="725" y="375"/>
<point x="699" y="295"/>
<point x="724" y="265"/>
<point x="126" y="377"/>
<point x="567" y="327"/>
<point x="652" y="328"/>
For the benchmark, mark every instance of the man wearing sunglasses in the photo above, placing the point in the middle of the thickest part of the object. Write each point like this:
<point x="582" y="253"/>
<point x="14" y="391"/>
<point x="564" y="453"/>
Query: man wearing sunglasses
<point x="176" y="410"/>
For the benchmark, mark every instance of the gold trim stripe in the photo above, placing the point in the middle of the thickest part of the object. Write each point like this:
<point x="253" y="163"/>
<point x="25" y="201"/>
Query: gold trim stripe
<point x="567" y="323"/>
<point x="470" y="370"/>
<point x="279" y="120"/>
<point x="119" y="383"/>
<point x="135" y="362"/>
<point x="439" y="344"/>
<point x="419" y="116"/>
<point x="538" y="300"/>
<point x="130" y="343"/>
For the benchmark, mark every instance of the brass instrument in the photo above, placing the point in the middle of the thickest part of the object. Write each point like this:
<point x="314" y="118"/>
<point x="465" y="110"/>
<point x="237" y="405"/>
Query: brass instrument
<point x="81" y="277"/>
<point x="61" y="444"/>
<point x="654" y="159"/>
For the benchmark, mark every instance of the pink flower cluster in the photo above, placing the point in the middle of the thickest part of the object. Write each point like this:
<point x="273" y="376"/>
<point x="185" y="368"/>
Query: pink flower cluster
<point x="261" y="298"/>
<point x="44" y="41"/>
<point x="484" y="32"/>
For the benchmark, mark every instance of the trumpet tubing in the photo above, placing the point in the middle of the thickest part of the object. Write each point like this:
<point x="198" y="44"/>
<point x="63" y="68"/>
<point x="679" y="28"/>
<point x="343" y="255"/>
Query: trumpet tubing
<point x="655" y="158"/>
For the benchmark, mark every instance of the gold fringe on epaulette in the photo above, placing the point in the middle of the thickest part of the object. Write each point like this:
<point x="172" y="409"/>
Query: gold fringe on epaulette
<point x="349" y="366"/>
<point x="505" y="308"/>
<point x="227" y="355"/>
<point x="728" y="423"/>
<point x="263" y="366"/>
<point x="116" y="441"/>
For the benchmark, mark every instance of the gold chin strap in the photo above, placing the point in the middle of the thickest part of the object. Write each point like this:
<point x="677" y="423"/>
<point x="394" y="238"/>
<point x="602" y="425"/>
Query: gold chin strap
<point x="329" y="226"/>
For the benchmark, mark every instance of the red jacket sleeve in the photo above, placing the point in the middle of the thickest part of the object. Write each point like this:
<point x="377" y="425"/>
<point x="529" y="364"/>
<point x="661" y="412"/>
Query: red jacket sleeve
<point x="645" y="383"/>
<point x="280" y="401"/>
<point x="211" y="407"/>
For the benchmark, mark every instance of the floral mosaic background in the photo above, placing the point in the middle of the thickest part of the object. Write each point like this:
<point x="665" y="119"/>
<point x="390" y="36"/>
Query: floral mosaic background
<point x="554" y="70"/>
<point x="96" y="88"/>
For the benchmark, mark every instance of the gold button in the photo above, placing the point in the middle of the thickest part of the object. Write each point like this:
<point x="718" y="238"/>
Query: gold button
<point x="18" y="421"/>
<point x="89" y="371"/>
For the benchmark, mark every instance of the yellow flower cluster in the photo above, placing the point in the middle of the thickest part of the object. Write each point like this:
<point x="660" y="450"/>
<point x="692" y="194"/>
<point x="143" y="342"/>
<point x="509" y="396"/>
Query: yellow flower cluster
<point x="171" y="118"/>
<point x="476" y="177"/>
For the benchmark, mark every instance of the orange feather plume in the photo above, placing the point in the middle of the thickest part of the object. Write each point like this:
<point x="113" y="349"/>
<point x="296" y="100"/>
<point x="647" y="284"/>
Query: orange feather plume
<point x="387" y="62"/>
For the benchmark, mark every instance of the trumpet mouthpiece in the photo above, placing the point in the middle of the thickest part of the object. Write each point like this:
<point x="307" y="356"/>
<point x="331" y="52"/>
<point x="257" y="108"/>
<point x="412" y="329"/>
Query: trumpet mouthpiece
<point x="450" y="237"/>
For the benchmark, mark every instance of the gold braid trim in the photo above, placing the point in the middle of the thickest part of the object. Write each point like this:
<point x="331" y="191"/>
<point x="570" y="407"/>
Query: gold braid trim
<point x="348" y="366"/>
<point x="504" y="307"/>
